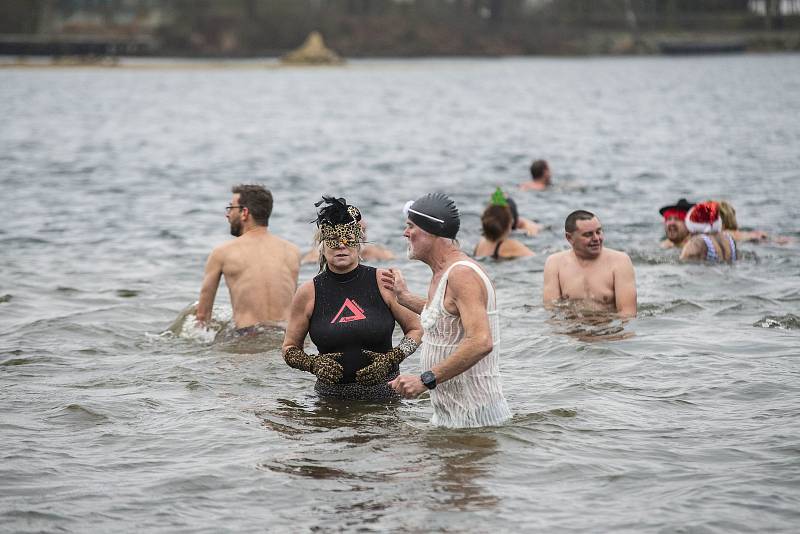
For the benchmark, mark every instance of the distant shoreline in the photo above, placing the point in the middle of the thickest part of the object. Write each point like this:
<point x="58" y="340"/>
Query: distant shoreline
<point x="590" y="44"/>
<point x="169" y="63"/>
<point x="587" y="43"/>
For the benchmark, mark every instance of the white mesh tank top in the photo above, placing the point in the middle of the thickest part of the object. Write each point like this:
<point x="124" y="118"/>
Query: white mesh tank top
<point x="475" y="397"/>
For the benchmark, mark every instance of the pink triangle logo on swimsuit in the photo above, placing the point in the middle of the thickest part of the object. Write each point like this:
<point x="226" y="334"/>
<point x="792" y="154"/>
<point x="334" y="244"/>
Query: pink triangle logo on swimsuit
<point x="356" y="311"/>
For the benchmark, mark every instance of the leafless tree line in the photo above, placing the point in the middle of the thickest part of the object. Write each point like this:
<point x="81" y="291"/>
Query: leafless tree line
<point x="395" y="27"/>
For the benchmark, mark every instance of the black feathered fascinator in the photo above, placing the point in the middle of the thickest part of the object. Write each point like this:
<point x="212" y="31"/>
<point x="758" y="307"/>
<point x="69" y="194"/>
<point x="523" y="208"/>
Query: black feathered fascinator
<point x="338" y="223"/>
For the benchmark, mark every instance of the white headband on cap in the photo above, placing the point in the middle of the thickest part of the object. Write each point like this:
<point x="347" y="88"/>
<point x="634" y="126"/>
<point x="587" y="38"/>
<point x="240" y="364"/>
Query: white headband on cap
<point x="407" y="209"/>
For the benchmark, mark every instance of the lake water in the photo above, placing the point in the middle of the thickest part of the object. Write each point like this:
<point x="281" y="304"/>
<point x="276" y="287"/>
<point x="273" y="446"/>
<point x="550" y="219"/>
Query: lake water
<point x="114" y="183"/>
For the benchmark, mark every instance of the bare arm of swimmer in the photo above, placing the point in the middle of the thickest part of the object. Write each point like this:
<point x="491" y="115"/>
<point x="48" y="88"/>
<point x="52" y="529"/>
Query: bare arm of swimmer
<point x="625" y="288"/>
<point x="208" y="291"/>
<point x="299" y="317"/>
<point x="469" y="297"/>
<point x="528" y="226"/>
<point x="392" y="279"/>
<point x="551" y="290"/>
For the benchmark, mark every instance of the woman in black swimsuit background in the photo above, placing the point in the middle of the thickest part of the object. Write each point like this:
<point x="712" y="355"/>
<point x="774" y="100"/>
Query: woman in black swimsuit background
<point x="349" y="316"/>
<point x="497" y="222"/>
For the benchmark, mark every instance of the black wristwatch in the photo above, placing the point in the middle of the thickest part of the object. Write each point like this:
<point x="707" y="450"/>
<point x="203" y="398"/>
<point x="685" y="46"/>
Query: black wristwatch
<point x="428" y="379"/>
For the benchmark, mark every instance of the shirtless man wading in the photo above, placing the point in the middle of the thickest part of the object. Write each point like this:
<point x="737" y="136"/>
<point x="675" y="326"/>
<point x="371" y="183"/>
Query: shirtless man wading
<point x="260" y="268"/>
<point x="599" y="278"/>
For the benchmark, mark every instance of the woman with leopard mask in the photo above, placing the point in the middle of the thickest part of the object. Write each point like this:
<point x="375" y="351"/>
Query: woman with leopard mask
<point x="348" y="314"/>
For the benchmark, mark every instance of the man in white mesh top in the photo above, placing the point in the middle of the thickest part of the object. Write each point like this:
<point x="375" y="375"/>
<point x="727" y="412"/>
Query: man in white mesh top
<point x="459" y="318"/>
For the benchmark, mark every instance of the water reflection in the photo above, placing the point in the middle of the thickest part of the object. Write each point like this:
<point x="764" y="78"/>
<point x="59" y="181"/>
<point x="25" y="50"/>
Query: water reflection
<point x="313" y="413"/>
<point x="586" y="324"/>
<point x="367" y="445"/>
<point x="465" y="459"/>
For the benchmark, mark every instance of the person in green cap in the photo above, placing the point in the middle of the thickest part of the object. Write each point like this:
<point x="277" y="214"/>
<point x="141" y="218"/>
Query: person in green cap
<point x="497" y="223"/>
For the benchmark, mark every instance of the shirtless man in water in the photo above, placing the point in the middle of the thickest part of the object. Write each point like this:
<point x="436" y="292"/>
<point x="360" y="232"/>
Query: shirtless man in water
<point x="260" y="268"/>
<point x="599" y="278"/>
<point x="541" y="178"/>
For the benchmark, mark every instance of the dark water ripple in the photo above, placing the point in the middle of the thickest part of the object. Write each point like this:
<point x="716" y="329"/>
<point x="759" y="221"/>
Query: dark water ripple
<point x="116" y="182"/>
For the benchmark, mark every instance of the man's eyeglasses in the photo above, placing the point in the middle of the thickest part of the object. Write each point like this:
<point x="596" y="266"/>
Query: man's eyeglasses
<point x="229" y="208"/>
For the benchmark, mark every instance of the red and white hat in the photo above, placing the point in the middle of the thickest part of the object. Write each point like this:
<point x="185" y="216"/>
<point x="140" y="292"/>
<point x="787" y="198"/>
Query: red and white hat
<point x="704" y="218"/>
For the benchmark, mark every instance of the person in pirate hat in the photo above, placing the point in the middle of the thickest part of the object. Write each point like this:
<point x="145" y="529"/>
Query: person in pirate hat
<point x="674" y="224"/>
<point x="348" y="315"/>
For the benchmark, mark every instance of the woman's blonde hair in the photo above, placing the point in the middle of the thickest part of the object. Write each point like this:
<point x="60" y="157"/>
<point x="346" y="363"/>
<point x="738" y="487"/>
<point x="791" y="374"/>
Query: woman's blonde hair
<point x="728" y="216"/>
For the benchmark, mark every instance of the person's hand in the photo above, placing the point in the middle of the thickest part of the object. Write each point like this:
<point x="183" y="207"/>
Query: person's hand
<point x="528" y="226"/>
<point x="327" y="368"/>
<point x="392" y="279"/>
<point x="532" y="229"/>
<point x="408" y="386"/>
<point x="379" y="368"/>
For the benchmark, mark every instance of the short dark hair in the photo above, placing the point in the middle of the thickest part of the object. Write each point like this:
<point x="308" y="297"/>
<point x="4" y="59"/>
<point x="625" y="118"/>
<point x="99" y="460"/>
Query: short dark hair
<point x="537" y="168"/>
<point x="496" y="220"/>
<point x="571" y="224"/>
<point x="257" y="199"/>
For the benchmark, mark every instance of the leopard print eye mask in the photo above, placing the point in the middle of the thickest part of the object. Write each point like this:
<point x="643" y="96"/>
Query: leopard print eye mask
<point x="349" y="234"/>
<point x="338" y="223"/>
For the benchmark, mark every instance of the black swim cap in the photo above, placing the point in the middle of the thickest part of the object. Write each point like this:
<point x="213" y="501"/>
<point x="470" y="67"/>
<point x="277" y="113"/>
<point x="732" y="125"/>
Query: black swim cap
<point x="436" y="213"/>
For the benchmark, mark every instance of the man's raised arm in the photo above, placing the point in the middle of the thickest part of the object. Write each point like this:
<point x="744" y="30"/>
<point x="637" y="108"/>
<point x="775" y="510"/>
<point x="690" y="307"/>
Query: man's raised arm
<point x="392" y="279"/>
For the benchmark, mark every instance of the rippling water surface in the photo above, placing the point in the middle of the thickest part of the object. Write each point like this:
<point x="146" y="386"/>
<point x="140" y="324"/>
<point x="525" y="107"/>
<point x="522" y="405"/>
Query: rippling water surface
<point x="114" y="183"/>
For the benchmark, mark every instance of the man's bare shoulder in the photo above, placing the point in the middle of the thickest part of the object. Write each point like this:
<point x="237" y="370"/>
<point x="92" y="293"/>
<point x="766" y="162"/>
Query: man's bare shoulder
<point x="465" y="283"/>
<point x="223" y="249"/>
<point x="531" y="186"/>
<point x="558" y="258"/>
<point x="274" y="241"/>
<point x="617" y="256"/>
<point x="289" y="246"/>
<point x="461" y="275"/>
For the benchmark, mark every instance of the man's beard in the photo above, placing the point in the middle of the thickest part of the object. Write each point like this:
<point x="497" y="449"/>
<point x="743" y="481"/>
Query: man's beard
<point x="674" y="234"/>
<point x="410" y="252"/>
<point x="236" y="228"/>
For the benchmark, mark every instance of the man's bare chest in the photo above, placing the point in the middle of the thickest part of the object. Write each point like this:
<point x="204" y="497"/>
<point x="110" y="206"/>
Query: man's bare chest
<point x="594" y="284"/>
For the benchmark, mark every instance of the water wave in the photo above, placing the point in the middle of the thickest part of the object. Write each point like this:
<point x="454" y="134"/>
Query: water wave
<point x="789" y="321"/>
<point x="185" y="324"/>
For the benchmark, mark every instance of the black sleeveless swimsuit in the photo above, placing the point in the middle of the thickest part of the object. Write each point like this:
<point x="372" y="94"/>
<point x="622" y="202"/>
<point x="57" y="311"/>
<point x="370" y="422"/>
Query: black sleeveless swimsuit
<point x="350" y="316"/>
